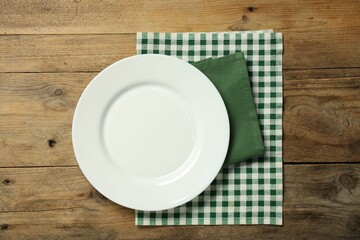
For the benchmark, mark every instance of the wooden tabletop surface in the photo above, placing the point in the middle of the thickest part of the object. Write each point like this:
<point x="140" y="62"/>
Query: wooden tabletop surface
<point x="50" y="50"/>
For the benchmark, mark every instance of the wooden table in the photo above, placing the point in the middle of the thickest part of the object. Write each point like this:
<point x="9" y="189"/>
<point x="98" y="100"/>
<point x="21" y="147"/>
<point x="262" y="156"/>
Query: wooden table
<point x="50" y="50"/>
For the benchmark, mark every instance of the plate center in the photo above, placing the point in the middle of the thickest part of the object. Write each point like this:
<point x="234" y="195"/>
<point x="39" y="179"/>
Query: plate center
<point x="147" y="131"/>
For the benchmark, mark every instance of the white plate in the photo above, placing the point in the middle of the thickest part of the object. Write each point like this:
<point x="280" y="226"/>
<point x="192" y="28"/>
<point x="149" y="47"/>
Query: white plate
<point x="150" y="132"/>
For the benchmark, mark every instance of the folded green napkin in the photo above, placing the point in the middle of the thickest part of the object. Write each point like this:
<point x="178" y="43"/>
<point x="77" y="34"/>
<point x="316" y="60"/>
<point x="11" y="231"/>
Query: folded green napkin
<point x="230" y="76"/>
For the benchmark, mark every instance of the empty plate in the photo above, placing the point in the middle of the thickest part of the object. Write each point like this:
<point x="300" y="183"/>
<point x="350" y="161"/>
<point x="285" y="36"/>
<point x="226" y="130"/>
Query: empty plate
<point x="150" y="132"/>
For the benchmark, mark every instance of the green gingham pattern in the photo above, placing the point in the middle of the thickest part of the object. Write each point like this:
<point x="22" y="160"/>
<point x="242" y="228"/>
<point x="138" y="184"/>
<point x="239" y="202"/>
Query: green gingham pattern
<point x="250" y="192"/>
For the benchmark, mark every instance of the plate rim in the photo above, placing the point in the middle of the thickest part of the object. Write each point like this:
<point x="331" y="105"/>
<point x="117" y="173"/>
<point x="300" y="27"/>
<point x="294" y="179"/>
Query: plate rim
<point x="81" y="100"/>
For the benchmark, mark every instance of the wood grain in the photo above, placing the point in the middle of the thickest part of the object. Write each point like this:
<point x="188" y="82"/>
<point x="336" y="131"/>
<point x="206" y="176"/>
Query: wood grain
<point x="317" y="34"/>
<point x="111" y="16"/>
<point x="37" y="110"/>
<point x="321" y="118"/>
<point x="320" y="73"/>
<point x="74" y="53"/>
<point x="48" y="203"/>
<point x="63" y="53"/>
<point x="50" y="50"/>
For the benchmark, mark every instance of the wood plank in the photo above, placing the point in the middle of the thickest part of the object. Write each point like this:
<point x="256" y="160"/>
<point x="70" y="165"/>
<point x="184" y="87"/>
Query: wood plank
<point x="63" y="53"/>
<point x="73" y="53"/>
<point x="326" y="73"/>
<point x="321" y="119"/>
<point x="111" y="16"/>
<point x="321" y="201"/>
<point x="35" y="117"/>
<point x="322" y="35"/>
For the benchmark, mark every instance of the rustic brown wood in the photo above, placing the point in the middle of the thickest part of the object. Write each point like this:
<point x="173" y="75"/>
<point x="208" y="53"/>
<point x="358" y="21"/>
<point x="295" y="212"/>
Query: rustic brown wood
<point x="50" y="50"/>
<point x="111" y="16"/>
<point x="321" y="119"/>
<point x="320" y="200"/>
<point x="322" y="35"/>
<point x="320" y="73"/>
<point x="63" y="53"/>
<point x="73" y="53"/>
<point x="36" y="112"/>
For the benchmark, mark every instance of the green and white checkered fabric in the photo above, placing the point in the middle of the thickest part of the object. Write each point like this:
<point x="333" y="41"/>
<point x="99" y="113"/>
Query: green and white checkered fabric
<point x="250" y="192"/>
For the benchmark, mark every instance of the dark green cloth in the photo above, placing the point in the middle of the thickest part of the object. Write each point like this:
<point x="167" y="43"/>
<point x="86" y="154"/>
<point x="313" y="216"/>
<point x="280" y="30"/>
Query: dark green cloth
<point x="230" y="76"/>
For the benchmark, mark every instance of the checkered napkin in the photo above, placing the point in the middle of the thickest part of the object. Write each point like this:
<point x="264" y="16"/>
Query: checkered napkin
<point x="250" y="192"/>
